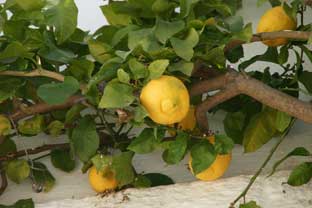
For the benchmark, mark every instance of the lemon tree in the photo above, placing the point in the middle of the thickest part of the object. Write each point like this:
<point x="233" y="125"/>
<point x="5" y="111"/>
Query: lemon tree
<point x="118" y="91"/>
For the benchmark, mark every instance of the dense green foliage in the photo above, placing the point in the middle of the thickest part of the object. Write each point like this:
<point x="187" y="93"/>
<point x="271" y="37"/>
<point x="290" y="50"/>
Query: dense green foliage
<point x="144" y="40"/>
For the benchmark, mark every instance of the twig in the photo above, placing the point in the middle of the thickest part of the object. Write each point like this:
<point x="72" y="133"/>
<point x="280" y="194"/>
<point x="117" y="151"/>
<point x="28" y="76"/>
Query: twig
<point x="254" y="177"/>
<point x="44" y="108"/>
<point x="292" y="35"/>
<point x="34" y="73"/>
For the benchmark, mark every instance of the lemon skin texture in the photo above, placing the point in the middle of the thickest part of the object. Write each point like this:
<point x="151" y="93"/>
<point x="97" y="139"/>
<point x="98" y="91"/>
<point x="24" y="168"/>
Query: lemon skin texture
<point x="166" y="100"/>
<point x="273" y="20"/>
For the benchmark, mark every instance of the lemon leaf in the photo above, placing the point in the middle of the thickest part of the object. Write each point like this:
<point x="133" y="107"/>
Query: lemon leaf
<point x="137" y="68"/>
<point x="18" y="170"/>
<point x="85" y="139"/>
<point x="43" y="177"/>
<point x="177" y="149"/>
<point x="123" y="76"/>
<point x="251" y="204"/>
<point x="157" y="68"/>
<point x="116" y="95"/>
<point x="223" y="144"/>
<point x="203" y="155"/>
<point x="302" y="174"/>
<point x="182" y="66"/>
<point x="165" y="30"/>
<point x="144" y="143"/>
<point x="62" y="160"/>
<point x="122" y="166"/>
<point x="23" y="203"/>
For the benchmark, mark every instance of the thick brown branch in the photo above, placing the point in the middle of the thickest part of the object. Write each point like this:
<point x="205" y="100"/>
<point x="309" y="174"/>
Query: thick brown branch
<point x="292" y="35"/>
<point x="228" y="92"/>
<point x="4" y="180"/>
<point x="44" y="108"/>
<point x="235" y="83"/>
<point x="34" y="73"/>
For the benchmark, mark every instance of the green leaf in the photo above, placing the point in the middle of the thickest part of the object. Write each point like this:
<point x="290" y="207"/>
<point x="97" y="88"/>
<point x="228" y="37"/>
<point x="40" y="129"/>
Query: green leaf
<point x="186" y="6"/>
<point x="140" y="113"/>
<point x="122" y="166"/>
<point x="17" y="170"/>
<point x="310" y="40"/>
<point x="260" y="130"/>
<point x="58" y="93"/>
<point x="142" y="181"/>
<point x="302" y="174"/>
<point x="13" y="51"/>
<point x="144" y="38"/>
<point x="184" y="48"/>
<point x="216" y="56"/>
<point x="182" y="66"/>
<point x="144" y="143"/>
<point x="23" y="203"/>
<point x="63" y="17"/>
<point x="245" y="34"/>
<point x="234" y="125"/>
<point x="282" y="121"/>
<point x="234" y="54"/>
<point x="62" y="160"/>
<point x="157" y="68"/>
<point x="123" y="76"/>
<point x="138" y="69"/>
<point x="298" y="151"/>
<point x="8" y="87"/>
<point x="73" y="113"/>
<point x="223" y="144"/>
<point x="32" y="126"/>
<point x="85" y="139"/>
<point x="100" y="51"/>
<point x="29" y="5"/>
<point x="177" y="149"/>
<point x="7" y="146"/>
<point x="113" y="18"/>
<point x="203" y="155"/>
<point x="55" y="128"/>
<point x="162" y="6"/>
<point x="283" y="55"/>
<point x="15" y="29"/>
<point x="81" y="69"/>
<point x="107" y="72"/>
<point x="251" y="204"/>
<point x="307" y="52"/>
<point x="165" y="30"/>
<point x="101" y="162"/>
<point x="271" y="55"/>
<point x="43" y="177"/>
<point x="235" y="23"/>
<point x="122" y="33"/>
<point x="123" y="54"/>
<point x="117" y="95"/>
<point x="158" y="179"/>
<point x="306" y="79"/>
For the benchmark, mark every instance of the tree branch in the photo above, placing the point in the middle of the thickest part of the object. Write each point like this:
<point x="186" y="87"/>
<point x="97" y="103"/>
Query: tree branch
<point x="228" y="92"/>
<point x="34" y="73"/>
<point x="44" y="108"/>
<point x="234" y="83"/>
<point x="293" y="35"/>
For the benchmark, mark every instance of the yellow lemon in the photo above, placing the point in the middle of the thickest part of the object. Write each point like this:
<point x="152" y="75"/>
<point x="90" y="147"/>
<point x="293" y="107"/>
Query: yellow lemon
<point x="5" y="125"/>
<point x="187" y="123"/>
<point x="102" y="181"/>
<point x="166" y="100"/>
<point x="217" y="168"/>
<point x="273" y="20"/>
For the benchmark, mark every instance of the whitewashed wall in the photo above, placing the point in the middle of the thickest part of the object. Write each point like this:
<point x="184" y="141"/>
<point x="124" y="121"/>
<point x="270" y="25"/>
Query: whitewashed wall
<point x="75" y="185"/>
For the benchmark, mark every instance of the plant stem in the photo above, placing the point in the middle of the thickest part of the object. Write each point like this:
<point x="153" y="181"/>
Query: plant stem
<point x="254" y="177"/>
<point x="4" y="180"/>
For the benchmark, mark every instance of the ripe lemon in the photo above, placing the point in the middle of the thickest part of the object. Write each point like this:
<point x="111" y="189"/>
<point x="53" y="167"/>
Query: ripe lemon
<point x="166" y="100"/>
<point x="5" y="125"/>
<point x="276" y="19"/>
<point x="217" y="168"/>
<point x="102" y="181"/>
<point x="187" y="123"/>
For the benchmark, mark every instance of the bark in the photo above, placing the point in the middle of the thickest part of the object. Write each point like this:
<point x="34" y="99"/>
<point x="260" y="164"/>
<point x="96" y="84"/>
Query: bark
<point x="233" y="83"/>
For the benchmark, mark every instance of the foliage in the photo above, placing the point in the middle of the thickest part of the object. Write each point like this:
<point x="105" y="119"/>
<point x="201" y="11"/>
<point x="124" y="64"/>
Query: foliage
<point x="144" y="40"/>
